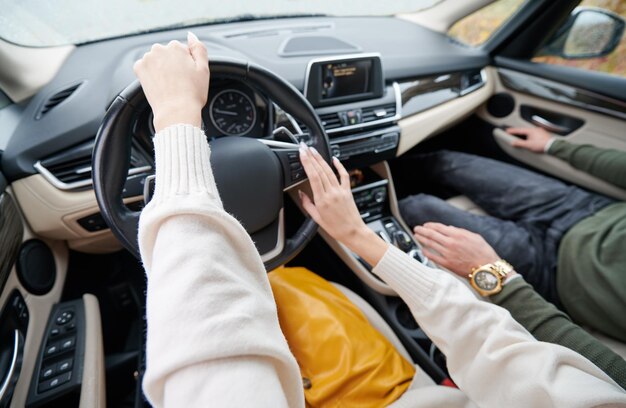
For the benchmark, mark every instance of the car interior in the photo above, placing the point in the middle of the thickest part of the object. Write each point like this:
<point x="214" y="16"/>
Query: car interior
<point x="77" y="163"/>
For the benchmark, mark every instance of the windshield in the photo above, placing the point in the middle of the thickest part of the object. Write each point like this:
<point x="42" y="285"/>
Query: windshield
<point x="44" y="23"/>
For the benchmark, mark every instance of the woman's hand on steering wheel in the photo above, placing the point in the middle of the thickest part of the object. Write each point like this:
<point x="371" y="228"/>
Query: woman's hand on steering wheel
<point x="175" y="80"/>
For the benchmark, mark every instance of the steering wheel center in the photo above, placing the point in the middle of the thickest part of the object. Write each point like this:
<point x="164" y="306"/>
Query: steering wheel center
<point x="249" y="178"/>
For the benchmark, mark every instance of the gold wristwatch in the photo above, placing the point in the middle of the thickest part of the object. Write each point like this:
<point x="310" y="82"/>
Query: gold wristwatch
<point x="487" y="279"/>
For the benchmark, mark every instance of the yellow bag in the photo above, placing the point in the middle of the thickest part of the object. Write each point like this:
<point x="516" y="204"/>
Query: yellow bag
<point x="344" y="360"/>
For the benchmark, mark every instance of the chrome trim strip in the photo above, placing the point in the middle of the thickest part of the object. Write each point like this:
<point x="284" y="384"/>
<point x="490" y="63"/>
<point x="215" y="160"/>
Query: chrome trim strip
<point x="483" y="77"/>
<point x="78" y="184"/>
<point x="276" y="143"/>
<point x="13" y="366"/>
<point x="280" y="241"/>
<point x="558" y="92"/>
<point x="546" y="124"/>
<point x="371" y="185"/>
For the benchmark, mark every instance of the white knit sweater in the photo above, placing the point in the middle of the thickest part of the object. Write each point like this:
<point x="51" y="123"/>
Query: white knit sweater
<point x="213" y="332"/>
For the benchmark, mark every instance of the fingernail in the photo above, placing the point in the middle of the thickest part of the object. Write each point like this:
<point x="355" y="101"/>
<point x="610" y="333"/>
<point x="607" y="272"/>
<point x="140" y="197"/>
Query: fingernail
<point x="314" y="150"/>
<point x="191" y="36"/>
<point x="335" y="159"/>
<point x="300" y="193"/>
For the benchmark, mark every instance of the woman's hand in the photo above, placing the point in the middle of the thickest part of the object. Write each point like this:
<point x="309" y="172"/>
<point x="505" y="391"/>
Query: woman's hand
<point x="536" y="138"/>
<point x="456" y="249"/>
<point x="333" y="207"/>
<point x="175" y="79"/>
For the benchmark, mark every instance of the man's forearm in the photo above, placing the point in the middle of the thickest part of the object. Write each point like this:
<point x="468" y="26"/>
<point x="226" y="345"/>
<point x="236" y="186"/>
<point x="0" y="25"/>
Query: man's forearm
<point x="606" y="164"/>
<point x="546" y="323"/>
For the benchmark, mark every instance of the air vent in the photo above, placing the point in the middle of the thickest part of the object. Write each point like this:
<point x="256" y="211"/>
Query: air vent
<point x="71" y="169"/>
<point x="373" y="113"/>
<point x="55" y="100"/>
<point x="332" y="122"/>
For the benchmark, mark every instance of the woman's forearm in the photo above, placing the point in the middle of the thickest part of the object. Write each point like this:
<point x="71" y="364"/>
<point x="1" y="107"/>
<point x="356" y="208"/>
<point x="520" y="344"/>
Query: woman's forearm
<point x="213" y="333"/>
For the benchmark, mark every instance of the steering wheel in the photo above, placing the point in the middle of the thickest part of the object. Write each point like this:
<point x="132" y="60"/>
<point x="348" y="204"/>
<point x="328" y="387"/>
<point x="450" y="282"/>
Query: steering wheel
<point x="251" y="176"/>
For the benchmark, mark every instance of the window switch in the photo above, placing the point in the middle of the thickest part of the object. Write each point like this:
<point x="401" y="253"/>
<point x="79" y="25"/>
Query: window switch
<point x="68" y="343"/>
<point x="48" y="372"/>
<point x="64" y="365"/>
<point x="55" y="332"/>
<point x="51" y="349"/>
<point x="54" y="382"/>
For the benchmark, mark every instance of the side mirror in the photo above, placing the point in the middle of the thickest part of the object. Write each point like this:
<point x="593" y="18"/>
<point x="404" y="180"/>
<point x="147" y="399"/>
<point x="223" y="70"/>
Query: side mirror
<point x="588" y="33"/>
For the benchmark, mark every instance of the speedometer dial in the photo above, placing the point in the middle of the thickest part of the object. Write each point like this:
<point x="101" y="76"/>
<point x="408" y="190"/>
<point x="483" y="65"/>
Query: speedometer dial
<point x="232" y="112"/>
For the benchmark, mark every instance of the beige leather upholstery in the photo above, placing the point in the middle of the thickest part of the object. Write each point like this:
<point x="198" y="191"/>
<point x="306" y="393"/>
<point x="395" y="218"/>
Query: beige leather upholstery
<point x="93" y="391"/>
<point x="466" y="204"/>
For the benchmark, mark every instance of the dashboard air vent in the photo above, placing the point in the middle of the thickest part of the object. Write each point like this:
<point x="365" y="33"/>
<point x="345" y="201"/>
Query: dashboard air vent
<point x="370" y="114"/>
<point x="330" y="121"/>
<point x="71" y="169"/>
<point x="56" y="99"/>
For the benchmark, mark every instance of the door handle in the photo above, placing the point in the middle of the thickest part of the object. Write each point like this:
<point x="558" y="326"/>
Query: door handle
<point x="14" y="367"/>
<point x="549" y="126"/>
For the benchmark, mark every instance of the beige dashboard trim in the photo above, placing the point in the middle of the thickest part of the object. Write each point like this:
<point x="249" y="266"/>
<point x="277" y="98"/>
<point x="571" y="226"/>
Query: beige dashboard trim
<point x="54" y="213"/>
<point x="25" y="70"/>
<point x="417" y="128"/>
<point x="93" y="389"/>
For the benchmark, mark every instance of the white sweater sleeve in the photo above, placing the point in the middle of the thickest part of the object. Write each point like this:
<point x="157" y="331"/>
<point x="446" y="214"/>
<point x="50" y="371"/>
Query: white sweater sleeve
<point x="493" y="359"/>
<point x="213" y="334"/>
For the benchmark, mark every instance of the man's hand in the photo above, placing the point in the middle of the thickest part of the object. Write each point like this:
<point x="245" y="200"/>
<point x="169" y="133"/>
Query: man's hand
<point x="456" y="249"/>
<point x="175" y="79"/>
<point x="536" y="138"/>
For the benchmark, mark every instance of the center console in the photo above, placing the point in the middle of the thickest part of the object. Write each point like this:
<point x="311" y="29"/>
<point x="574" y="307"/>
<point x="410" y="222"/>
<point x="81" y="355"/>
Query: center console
<point x="357" y="109"/>
<point x="372" y="200"/>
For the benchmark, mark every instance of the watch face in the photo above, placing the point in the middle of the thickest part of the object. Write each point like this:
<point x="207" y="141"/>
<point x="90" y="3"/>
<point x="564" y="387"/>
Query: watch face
<point x="485" y="280"/>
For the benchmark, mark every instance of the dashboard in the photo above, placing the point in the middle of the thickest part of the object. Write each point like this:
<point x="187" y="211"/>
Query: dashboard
<point x="369" y="95"/>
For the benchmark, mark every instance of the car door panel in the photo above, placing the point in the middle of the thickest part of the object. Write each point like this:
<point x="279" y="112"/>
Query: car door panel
<point x="38" y="307"/>
<point x="610" y="86"/>
<point x="604" y="129"/>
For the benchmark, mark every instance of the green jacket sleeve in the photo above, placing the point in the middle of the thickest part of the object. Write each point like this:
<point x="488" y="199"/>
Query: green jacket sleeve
<point x="546" y="323"/>
<point x="606" y="164"/>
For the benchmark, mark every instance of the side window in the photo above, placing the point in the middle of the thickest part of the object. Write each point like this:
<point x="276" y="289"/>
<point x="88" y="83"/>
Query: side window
<point x="593" y="39"/>
<point x="478" y="27"/>
<point x="4" y="100"/>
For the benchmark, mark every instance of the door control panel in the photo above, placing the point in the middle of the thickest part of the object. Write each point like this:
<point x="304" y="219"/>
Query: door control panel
<point x="58" y="373"/>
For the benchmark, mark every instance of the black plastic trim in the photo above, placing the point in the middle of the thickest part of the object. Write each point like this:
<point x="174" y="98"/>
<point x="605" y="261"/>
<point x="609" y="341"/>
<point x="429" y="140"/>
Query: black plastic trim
<point x="72" y="387"/>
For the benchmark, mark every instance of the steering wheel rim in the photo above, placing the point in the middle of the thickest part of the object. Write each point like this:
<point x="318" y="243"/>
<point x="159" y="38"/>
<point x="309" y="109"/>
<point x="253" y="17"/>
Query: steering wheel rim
<point x="111" y="154"/>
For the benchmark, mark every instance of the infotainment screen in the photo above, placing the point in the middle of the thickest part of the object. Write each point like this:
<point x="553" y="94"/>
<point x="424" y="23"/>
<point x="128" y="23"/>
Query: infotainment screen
<point x="345" y="78"/>
<point x="332" y="81"/>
